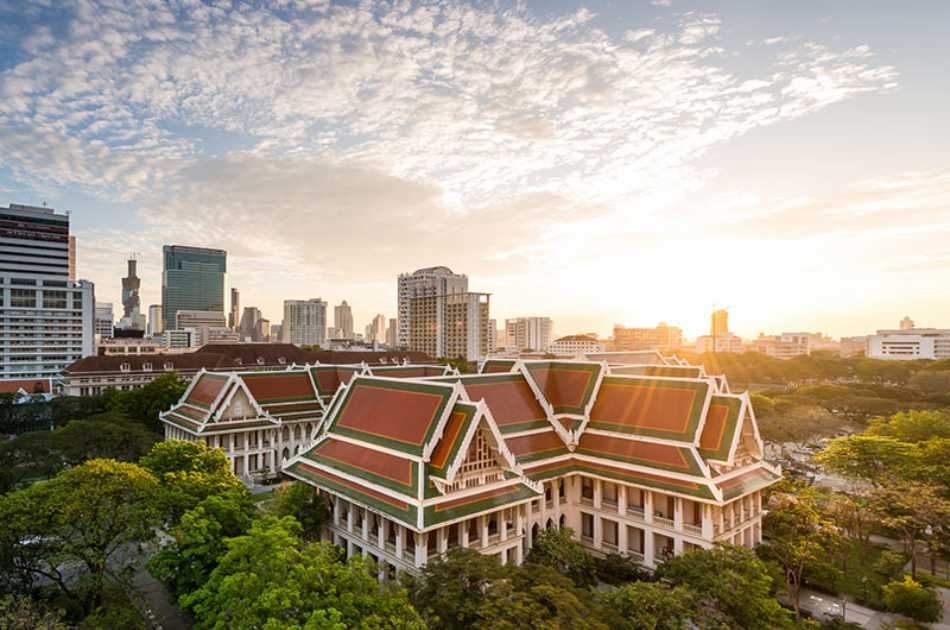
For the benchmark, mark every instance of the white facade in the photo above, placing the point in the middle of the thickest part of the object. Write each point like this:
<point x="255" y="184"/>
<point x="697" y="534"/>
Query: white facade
<point x="105" y="320"/>
<point x="426" y="282"/>
<point x="720" y="343"/>
<point x="155" y="322"/>
<point x="576" y="344"/>
<point x="376" y="330"/>
<point x="305" y="322"/>
<point x="343" y="321"/>
<point x="47" y="320"/>
<point x="909" y="344"/>
<point x="528" y="332"/>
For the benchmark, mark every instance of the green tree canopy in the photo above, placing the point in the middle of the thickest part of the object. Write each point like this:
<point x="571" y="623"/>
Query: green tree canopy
<point x="913" y="426"/>
<point x="557" y="548"/>
<point x="199" y="540"/>
<point x="732" y="585"/>
<point x="871" y="458"/>
<point x="269" y="578"/>
<point x="648" y="606"/>
<point x="908" y="597"/>
<point x="104" y="436"/>
<point x="145" y="403"/>
<point x="301" y="501"/>
<point x="451" y="589"/>
<point x="88" y="516"/>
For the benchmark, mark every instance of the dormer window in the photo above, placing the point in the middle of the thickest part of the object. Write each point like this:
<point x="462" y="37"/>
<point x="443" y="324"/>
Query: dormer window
<point x="147" y="367"/>
<point x="238" y="361"/>
<point x="169" y="366"/>
<point x="260" y="360"/>
<point x="281" y="361"/>
<point x="125" y="367"/>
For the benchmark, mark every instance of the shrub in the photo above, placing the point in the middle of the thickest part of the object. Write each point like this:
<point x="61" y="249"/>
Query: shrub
<point x="909" y="597"/>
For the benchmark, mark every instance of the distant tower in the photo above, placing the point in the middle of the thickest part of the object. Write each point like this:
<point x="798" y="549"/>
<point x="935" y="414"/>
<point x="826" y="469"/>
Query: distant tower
<point x="907" y="323"/>
<point x="720" y="323"/>
<point x="132" y="317"/>
<point x="234" y="319"/>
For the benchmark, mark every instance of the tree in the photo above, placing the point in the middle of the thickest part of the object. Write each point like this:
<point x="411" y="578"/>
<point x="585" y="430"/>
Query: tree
<point x="451" y="589"/>
<point x="270" y="578"/>
<point x="104" y="436"/>
<point x="199" y="541"/>
<point x="648" y="606"/>
<point x="917" y="512"/>
<point x="799" y="537"/>
<point x="729" y="582"/>
<point x="908" y="597"/>
<point x="536" y="596"/>
<point x="23" y="613"/>
<point x="871" y="458"/>
<point x="28" y="456"/>
<point x="189" y="472"/>
<point x="304" y="504"/>
<point x="913" y="426"/>
<point x="617" y="569"/>
<point x="89" y="516"/>
<point x="557" y="548"/>
<point x="145" y="403"/>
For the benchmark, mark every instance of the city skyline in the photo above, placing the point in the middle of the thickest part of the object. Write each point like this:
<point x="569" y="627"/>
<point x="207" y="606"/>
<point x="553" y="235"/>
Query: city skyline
<point x="780" y="161"/>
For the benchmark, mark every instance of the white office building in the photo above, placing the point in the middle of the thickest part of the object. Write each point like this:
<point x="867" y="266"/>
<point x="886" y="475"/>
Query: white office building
<point x="908" y="344"/>
<point x="305" y="322"/>
<point x="47" y="320"/>
<point x="529" y="333"/>
<point x="105" y="321"/>
<point x="425" y="282"/>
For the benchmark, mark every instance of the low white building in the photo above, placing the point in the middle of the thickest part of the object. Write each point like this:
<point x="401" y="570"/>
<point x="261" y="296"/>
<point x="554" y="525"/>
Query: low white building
<point x="575" y="344"/>
<point x="909" y="344"/>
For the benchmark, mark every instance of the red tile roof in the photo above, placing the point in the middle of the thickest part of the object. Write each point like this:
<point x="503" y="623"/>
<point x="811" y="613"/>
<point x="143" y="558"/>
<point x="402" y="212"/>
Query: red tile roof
<point x="567" y="386"/>
<point x="285" y="386"/>
<point x="668" y="409"/>
<point x="29" y="385"/>
<point x="510" y="399"/>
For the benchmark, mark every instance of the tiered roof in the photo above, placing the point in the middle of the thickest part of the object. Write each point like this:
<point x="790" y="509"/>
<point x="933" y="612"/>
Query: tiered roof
<point x="539" y="419"/>
<point x="399" y="446"/>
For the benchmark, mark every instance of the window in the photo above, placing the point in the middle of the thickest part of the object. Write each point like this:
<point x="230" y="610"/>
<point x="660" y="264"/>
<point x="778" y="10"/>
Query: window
<point x="169" y="366"/>
<point x="22" y="298"/>
<point x="54" y="299"/>
<point x="609" y="493"/>
<point x="147" y="366"/>
<point x="587" y="525"/>
<point x="125" y="367"/>
<point x="609" y="531"/>
<point x="587" y="488"/>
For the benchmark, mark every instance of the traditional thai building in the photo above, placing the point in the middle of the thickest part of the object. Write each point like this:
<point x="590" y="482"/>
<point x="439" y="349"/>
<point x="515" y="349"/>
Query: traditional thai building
<point x="646" y="465"/>
<point x="262" y="418"/>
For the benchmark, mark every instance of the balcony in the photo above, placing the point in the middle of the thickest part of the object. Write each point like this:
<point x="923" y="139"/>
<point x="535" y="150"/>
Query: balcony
<point x="636" y="555"/>
<point x="390" y="548"/>
<point x="693" y="528"/>
<point x="636" y="511"/>
<point x="608" y="504"/>
<point x="662" y="521"/>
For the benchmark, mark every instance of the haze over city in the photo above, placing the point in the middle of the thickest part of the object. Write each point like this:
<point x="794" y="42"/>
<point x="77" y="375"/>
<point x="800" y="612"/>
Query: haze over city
<point x="598" y="163"/>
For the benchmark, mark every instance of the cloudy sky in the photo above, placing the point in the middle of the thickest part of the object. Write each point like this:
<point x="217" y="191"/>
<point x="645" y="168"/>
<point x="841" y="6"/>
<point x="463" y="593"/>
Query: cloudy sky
<point x="612" y="161"/>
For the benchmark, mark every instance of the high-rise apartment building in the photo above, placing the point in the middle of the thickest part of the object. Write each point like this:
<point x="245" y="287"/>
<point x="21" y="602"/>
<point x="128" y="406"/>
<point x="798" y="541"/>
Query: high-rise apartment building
<point x="155" y="324"/>
<point x="234" y="318"/>
<point x="534" y="333"/>
<point x="193" y="279"/>
<point x="47" y="320"/>
<point x="907" y="323"/>
<point x="250" y="323"/>
<point x="429" y="281"/>
<point x="305" y="322"/>
<point x="105" y="320"/>
<point x="392" y="331"/>
<point x="720" y="323"/>
<point x="343" y="320"/>
<point x="263" y="330"/>
<point x="206" y="325"/>
<point x="455" y="325"/>
<point x="663" y="337"/>
<point x="132" y="317"/>
<point x="376" y="329"/>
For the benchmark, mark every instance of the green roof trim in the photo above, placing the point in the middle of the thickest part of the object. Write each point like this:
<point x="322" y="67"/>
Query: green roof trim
<point x="734" y="406"/>
<point x="694" y="468"/>
<point x="433" y="515"/>
<point x="593" y="369"/>
<point x="748" y="482"/>
<point x="699" y="490"/>
<point x="469" y="410"/>
<point x="411" y="491"/>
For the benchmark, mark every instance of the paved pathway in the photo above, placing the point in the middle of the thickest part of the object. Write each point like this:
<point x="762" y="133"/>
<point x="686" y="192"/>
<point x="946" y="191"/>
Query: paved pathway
<point x="824" y="607"/>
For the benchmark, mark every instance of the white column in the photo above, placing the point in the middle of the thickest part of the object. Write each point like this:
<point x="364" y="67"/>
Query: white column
<point x="621" y="537"/>
<point x="365" y="533"/>
<point x="649" y="557"/>
<point x="621" y="499"/>
<point x="336" y="511"/>
<point x="349" y="517"/>
<point x="503" y="525"/>
<point x="677" y="546"/>
<point x="520" y="518"/>
<point x="400" y="539"/>
<point x="381" y="533"/>
<point x="707" y="521"/>
<point x="349" y="549"/>
<point x="598" y="530"/>
<point x="483" y="528"/>
<point x="648" y="508"/>
<point x="463" y="534"/>
<point x="598" y="493"/>
<point x="442" y="540"/>
<point x="421" y="549"/>
<point x="518" y="555"/>
<point x="678" y="514"/>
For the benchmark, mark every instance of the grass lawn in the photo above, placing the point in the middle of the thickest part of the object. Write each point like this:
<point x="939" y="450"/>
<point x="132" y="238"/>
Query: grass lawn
<point x="859" y="578"/>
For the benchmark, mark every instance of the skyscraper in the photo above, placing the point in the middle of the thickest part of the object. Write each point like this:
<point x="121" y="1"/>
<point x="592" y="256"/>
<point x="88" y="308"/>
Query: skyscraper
<point x="720" y="323"/>
<point x="305" y="322"/>
<point x="428" y="281"/>
<point x="391" y="331"/>
<point x="234" y="319"/>
<point x="155" y="323"/>
<point x="132" y="317"/>
<point x="54" y="316"/>
<point x="105" y="320"/>
<point x="529" y="333"/>
<point x="343" y="320"/>
<point x="193" y="278"/>
<point x="250" y="323"/>
<point x="455" y="325"/>
<point x="376" y="330"/>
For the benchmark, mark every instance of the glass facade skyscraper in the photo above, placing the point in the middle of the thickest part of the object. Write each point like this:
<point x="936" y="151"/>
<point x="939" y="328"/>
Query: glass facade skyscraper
<point x="193" y="279"/>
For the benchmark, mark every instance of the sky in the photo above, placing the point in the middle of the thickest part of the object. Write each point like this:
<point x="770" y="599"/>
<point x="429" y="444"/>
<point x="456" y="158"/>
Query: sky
<point x="604" y="162"/>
